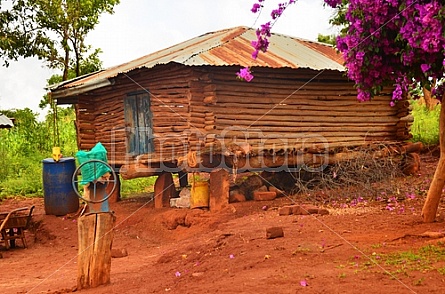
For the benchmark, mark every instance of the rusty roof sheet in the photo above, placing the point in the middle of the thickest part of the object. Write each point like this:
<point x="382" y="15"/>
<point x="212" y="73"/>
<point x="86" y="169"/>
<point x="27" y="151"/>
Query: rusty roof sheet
<point x="5" y="122"/>
<point x="221" y="48"/>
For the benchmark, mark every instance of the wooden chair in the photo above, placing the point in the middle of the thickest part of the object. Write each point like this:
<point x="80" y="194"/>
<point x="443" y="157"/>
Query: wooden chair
<point x="13" y="225"/>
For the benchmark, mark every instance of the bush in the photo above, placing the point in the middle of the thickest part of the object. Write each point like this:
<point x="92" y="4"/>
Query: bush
<point x="23" y="147"/>
<point x="425" y="127"/>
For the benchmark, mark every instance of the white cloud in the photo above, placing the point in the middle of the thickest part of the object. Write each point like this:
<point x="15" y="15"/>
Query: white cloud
<point x="22" y="84"/>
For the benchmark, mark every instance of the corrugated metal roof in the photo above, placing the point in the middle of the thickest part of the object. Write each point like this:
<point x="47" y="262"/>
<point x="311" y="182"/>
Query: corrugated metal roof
<point x="221" y="48"/>
<point x="5" y="122"/>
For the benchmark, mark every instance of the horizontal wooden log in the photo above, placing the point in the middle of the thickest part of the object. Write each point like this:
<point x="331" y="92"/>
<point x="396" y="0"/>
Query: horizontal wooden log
<point x="167" y="109"/>
<point x="282" y="130"/>
<point x="172" y="128"/>
<point x="202" y="86"/>
<point x="292" y="117"/>
<point x="311" y="105"/>
<point x="209" y="127"/>
<point x="240" y="112"/>
<point x="169" y="123"/>
<point x="197" y="113"/>
<point x="328" y="98"/>
<point x="259" y="125"/>
<point x="407" y="118"/>
<point x="171" y="146"/>
<point x="85" y="137"/>
<point x="87" y="125"/>
<point x="199" y="120"/>
<point x="210" y="100"/>
<point x="197" y="125"/>
<point x="135" y="170"/>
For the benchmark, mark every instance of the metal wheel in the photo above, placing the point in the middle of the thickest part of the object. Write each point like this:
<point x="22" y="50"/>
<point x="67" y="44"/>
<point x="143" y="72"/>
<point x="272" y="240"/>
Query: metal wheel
<point x="95" y="163"/>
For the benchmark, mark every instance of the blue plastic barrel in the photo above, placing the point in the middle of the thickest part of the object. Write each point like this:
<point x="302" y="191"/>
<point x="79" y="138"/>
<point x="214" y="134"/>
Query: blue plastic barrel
<point x="58" y="194"/>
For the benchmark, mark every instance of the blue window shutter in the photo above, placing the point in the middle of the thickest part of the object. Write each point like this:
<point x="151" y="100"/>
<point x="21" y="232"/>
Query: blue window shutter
<point x="138" y="119"/>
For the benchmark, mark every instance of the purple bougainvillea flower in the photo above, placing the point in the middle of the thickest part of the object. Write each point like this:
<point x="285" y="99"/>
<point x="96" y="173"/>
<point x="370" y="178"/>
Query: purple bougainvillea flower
<point x="304" y="283"/>
<point x="411" y="196"/>
<point x="245" y="74"/>
<point x="177" y="274"/>
<point x="333" y="3"/>
<point x="425" y="67"/>
<point x="256" y="7"/>
<point x="231" y="256"/>
<point x="390" y="208"/>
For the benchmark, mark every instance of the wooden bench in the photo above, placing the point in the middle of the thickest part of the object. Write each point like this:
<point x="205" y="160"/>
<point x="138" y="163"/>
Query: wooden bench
<point x="13" y="225"/>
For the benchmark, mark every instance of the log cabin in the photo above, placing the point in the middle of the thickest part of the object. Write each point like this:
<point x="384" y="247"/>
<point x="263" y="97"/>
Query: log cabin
<point x="183" y="109"/>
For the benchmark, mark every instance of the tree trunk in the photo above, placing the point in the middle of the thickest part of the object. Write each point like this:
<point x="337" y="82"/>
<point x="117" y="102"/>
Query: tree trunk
<point x="435" y="191"/>
<point x="430" y="102"/>
<point x="66" y="60"/>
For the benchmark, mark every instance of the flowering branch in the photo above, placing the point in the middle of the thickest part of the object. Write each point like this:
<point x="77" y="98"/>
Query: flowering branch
<point x="263" y="34"/>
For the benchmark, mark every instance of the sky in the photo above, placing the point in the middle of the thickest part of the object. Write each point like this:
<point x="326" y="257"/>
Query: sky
<point x="140" y="27"/>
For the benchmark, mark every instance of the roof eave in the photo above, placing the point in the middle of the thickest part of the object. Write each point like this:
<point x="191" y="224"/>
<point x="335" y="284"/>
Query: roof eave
<point x="80" y="89"/>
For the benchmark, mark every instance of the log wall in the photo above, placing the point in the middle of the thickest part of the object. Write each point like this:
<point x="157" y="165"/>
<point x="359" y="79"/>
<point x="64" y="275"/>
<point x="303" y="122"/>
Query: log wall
<point x="300" y="109"/>
<point x="101" y="113"/>
<point x="207" y="110"/>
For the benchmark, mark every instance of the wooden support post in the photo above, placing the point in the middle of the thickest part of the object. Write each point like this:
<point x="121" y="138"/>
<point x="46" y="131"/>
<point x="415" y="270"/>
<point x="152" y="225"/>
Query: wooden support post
<point x="183" y="179"/>
<point x="219" y="189"/>
<point x="164" y="190"/>
<point x="95" y="233"/>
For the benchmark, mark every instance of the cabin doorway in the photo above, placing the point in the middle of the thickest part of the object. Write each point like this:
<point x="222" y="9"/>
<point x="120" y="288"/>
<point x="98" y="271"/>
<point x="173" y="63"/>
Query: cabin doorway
<point x="138" y="122"/>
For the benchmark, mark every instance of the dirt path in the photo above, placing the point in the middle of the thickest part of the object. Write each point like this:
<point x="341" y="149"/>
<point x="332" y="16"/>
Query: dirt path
<point x="351" y="250"/>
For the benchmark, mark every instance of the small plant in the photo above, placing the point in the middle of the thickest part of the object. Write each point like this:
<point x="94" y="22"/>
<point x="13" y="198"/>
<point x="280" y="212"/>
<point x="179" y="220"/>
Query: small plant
<point x="342" y="276"/>
<point x="418" y="282"/>
<point x="300" y="249"/>
<point x="375" y="246"/>
<point x="441" y="270"/>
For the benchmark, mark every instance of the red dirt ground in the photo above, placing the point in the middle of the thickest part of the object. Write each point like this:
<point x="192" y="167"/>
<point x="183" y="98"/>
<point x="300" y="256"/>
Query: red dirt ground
<point x="227" y="252"/>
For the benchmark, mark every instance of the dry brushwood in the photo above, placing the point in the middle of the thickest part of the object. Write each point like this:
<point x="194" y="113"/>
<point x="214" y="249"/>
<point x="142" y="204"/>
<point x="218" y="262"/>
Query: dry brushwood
<point x="360" y="172"/>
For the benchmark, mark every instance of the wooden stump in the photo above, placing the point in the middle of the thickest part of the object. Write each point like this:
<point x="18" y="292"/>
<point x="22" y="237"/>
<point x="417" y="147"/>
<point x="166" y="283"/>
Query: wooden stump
<point x="95" y="233"/>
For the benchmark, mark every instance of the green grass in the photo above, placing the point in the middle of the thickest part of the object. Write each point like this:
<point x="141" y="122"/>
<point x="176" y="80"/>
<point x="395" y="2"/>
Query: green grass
<point x="138" y="185"/>
<point x="21" y="177"/>
<point x="423" y="259"/>
<point x="425" y="127"/>
<point x="410" y="263"/>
